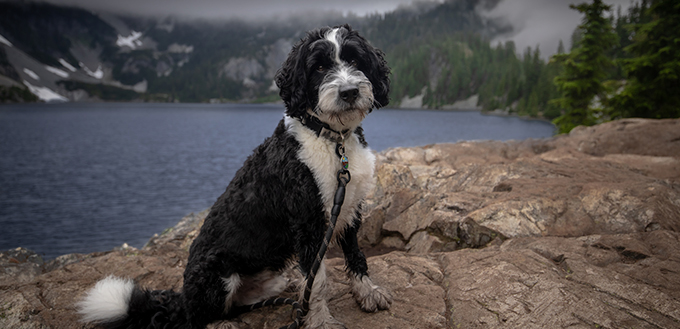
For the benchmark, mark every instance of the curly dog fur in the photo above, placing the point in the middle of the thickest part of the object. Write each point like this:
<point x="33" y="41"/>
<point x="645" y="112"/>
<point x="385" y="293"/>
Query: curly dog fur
<point x="275" y="210"/>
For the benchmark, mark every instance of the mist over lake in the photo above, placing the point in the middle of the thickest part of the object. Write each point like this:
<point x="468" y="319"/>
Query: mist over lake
<point x="79" y="178"/>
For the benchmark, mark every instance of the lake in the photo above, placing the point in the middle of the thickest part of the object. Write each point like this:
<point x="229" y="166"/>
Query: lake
<point x="79" y="178"/>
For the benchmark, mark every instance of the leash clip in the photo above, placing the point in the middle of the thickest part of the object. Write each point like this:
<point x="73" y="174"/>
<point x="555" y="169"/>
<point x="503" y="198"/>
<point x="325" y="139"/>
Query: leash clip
<point x="340" y="152"/>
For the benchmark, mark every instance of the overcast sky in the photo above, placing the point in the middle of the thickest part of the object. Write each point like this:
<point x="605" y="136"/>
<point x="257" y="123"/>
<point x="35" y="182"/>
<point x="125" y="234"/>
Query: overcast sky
<point x="535" y="22"/>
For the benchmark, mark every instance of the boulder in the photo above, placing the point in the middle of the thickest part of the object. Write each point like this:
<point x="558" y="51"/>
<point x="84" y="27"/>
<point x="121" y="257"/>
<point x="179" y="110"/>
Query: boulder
<point x="615" y="178"/>
<point x="577" y="231"/>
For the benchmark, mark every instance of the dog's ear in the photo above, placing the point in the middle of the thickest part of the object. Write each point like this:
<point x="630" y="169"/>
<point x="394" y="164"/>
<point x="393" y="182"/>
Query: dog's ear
<point x="291" y="79"/>
<point x="379" y="77"/>
<point x="377" y="72"/>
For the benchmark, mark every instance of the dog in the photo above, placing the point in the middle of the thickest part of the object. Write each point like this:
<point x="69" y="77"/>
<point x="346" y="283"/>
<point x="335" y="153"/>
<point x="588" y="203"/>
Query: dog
<point x="276" y="209"/>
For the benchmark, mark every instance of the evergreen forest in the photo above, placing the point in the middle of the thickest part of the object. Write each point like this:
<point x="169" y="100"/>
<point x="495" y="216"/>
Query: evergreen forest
<point x="618" y="65"/>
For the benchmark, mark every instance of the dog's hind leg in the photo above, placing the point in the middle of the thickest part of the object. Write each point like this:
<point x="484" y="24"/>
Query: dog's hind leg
<point x="368" y="295"/>
<point x="232" y="287"/>
<point x="206" y="294"/>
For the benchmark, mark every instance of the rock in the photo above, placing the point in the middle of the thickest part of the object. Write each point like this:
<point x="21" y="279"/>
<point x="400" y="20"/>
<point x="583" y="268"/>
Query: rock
<point x="181" y="234"/>
<point x="19" y="265"/>
<point x="618" y="177"/>
<point x="602" y="281"/>
<point x="640" y="137"/>
<point x="48" y="300"/>
<point x="576" y="231"/>
<point x="612" y="281"/>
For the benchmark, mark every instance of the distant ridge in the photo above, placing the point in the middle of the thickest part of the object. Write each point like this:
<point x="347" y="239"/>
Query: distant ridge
<point x="79" y="55"/>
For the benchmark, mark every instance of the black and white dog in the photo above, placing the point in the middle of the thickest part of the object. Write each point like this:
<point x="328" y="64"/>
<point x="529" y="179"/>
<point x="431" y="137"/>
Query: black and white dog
<point x="277" y="207"/>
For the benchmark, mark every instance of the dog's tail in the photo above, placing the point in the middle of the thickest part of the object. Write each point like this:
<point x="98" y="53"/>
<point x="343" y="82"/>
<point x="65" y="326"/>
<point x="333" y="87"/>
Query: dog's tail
<point x="118" y="303"/>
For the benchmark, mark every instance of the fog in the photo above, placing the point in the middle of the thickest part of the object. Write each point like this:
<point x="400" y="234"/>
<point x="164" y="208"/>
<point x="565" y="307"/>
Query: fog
<point x="542" y="23"/>
<point x="535" y="23"/>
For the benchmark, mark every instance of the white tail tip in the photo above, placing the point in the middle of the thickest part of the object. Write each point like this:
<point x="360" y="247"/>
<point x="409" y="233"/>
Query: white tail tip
<point x="108" y="301"/>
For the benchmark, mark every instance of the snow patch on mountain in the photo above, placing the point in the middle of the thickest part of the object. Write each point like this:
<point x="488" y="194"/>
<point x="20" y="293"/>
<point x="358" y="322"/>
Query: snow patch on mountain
<point x="45" y="94"/>
<point x="133" y="41"/>
<point x="57" y="71"/>
<point x="98" y="74"/>
<point x="67" y="65"/>
<point x="180" y="49"/>
<point x="31" y="74"/>
<point x="141" y="87"/>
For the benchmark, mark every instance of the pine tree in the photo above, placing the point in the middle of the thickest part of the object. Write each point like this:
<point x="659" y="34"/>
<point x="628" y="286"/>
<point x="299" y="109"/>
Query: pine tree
<point x="560" y="47"/>
<point x="584" y="67"/>
<point x="576" y="37"/>
<point x="653" y="86"/>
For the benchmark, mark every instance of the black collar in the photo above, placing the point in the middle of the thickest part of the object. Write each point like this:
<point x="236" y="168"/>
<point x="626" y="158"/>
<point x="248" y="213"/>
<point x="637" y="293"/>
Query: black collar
<point x="322" y="129"/>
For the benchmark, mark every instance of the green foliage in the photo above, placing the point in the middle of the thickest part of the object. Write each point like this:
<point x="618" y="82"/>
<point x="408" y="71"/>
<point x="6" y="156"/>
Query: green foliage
<point x="460" y="65"/>
<point x="408" y="79"/>
<point x="104" y="92"/>
<point x="560" y="47"/>
<point x="16" y="94"/>
<point x="585" y="68"/>
<point x="652" y="89"/>
<point x="636" y="77"/>
<point x="425" y="21"/>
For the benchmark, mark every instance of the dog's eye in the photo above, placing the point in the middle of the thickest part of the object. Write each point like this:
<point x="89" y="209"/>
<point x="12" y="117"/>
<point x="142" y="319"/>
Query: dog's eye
<point x="321" y="69"/>
<point x="353" y="63"/>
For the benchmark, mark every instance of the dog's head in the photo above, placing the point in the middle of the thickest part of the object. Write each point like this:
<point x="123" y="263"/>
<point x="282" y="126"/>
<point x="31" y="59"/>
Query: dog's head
<point x="337" y="74"/>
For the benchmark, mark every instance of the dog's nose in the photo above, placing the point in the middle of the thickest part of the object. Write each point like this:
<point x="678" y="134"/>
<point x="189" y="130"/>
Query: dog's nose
<point x="349" y="94"/>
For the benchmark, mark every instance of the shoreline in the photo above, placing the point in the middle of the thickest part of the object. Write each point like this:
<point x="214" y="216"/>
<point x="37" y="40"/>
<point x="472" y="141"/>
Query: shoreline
<point x="481" y="111"/>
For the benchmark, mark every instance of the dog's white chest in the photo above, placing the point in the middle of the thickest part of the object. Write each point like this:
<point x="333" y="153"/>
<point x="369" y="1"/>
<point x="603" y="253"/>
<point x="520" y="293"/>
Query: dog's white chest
<point x="320" y="156"/>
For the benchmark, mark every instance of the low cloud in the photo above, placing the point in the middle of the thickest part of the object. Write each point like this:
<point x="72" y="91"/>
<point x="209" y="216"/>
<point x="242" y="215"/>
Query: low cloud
<point x="228" y="9"/>
<point x="541" y="23"/>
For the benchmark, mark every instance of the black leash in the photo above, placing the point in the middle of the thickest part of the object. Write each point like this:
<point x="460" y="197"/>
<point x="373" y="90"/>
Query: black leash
<point x="300" y="311"/>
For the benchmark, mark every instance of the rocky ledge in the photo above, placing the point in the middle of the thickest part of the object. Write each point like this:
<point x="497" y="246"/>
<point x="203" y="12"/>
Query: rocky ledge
<point x="577" y="231"/>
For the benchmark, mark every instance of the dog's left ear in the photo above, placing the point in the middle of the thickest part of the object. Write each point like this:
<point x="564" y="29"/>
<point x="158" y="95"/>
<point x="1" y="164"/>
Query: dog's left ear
<point x="377" y="72"/>
<point x="381" y="75"/>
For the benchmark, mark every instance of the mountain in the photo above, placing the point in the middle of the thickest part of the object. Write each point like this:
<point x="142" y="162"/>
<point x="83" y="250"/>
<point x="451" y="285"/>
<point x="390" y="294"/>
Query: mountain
<point x="71" y="54"/>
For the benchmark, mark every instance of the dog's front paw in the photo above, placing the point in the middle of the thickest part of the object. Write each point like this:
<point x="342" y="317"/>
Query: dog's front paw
<point x="371" y="297"/>
<point x="377" y="299"/>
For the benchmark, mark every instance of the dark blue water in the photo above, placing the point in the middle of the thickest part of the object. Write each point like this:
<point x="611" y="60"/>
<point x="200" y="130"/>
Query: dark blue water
<point x="90" y="177"/>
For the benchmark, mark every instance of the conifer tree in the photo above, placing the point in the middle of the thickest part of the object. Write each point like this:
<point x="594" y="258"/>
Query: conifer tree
<point x="584" y="67"/>
<point x="560" y="47"/>
<point x="653" y="86"/>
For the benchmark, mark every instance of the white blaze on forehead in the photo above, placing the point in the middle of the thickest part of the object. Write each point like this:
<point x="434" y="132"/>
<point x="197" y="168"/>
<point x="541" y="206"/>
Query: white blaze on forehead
<point x="332" y="36"/>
